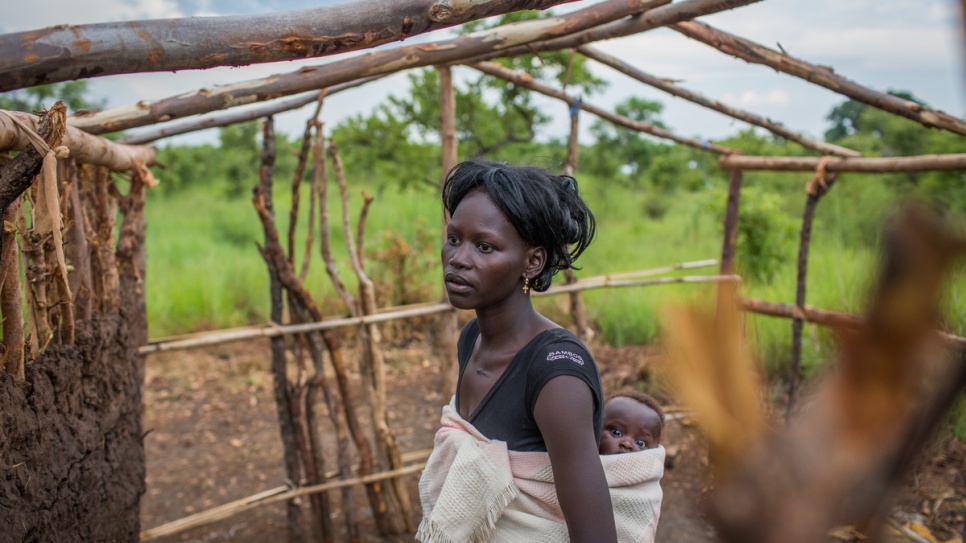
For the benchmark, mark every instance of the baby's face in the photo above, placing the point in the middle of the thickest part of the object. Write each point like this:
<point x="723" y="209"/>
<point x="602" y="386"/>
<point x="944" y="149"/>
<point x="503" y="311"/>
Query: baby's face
<point x="629" y="426"/>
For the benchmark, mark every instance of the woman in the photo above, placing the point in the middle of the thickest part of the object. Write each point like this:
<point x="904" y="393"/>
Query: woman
<point x="524" y="381"/>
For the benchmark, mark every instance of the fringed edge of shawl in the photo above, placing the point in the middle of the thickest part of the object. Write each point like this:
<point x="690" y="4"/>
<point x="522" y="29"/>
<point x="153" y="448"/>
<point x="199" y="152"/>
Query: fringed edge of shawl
<point x="431" y="532"/>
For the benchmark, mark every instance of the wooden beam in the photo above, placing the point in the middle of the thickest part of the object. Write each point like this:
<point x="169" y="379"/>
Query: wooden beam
<point x="820" y="75"/>
<point x="774" y="127"/>
<point x="374" y="63"/>
<point x="829" y="318"/>
<point x="921" y="163"/>
<point x="228" y="119"/>
<point x="83" y="147"/>
<point x="526" y="81"/>
<point x="68" y="52"/>
<point x="655" y="18"/>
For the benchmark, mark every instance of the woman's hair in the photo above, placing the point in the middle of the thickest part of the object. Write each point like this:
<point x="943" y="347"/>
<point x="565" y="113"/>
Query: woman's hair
<point x="641" y="398"/>
<point x="545" y="209"/>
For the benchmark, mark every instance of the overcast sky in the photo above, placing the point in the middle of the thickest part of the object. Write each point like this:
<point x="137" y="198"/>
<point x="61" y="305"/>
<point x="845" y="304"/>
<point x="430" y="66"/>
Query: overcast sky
<point x="911" y="45"/>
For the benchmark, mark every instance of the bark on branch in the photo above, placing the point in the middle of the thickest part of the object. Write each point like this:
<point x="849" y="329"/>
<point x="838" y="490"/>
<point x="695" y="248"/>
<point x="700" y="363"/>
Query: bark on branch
<point x="775" y="128"/>
<point x="371" y="64"/>
<point x="228" y="119"/>
<point x="655" y="18"/>
<point x="83" y="147"/>
<point x="526" y="81"/>
<point x="820" y="75"/>
<point x="921" y="163"/>
<point x="69" y="52"/>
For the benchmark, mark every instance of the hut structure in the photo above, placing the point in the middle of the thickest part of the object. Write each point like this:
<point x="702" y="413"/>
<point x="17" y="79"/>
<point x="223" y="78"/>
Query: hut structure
<point x="71" y="442"/>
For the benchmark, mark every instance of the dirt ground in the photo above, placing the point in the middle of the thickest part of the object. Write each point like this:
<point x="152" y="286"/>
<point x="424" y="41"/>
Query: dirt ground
<point x="212" y="437"/>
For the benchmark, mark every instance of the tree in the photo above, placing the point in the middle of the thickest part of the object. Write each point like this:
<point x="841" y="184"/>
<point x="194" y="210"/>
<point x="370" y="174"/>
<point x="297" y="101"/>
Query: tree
<point x="620" y="149"/>
<point x="491" y="113"/>
<point x="846" y="117"/>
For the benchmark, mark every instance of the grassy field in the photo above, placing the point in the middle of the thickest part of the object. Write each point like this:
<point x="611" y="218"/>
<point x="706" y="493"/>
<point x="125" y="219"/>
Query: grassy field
<point x="204" y="270"/>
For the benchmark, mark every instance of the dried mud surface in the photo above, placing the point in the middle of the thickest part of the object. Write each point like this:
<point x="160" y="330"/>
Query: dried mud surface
<point x="212" y="437"/>
<point x="71" y="458"/>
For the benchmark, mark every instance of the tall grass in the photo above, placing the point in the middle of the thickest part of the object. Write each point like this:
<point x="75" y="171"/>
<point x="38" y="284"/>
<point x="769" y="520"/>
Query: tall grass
<point x="204" y="270"/>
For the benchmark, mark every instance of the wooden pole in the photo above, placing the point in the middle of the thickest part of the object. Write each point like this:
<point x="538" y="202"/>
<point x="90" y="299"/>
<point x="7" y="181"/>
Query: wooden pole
<point x="732" y="210"/>
<point x="525" y="80"/>
<point x="449" y="322"/>
<point x="83" y="147"/>
<point x="69" y="52"/>
<point x="578" y="311"/>
<point x="374" y="362"/>
<point x="416" y="310"/>
<point x="370" y="64"/>
<point x="774" y="127"/>
<point x="655" y="18"/>
<point x="829" y="318"/>
<point x="11" y="296"/>
<point x="228" y="119"/>
<point x="283" y="402"/>
<point x="921" y="163"/>
<point x="820" y="75"/>
<point x="817" y="188"/>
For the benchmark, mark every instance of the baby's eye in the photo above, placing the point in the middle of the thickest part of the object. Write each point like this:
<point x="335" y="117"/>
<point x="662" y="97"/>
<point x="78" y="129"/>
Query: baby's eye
<point x="641" y="443"/>
<point x="453" y="240"/>
<point x="617" y="432"/>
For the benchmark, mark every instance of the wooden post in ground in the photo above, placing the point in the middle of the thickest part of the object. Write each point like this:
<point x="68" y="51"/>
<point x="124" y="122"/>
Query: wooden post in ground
<point x="817" y="187"/>
<point x="731" y="223"/>
<point x="283" y="402"/>
<point x="449" y="322"/>
<point x="578" y="311"/>
<point x="373" y="368"/>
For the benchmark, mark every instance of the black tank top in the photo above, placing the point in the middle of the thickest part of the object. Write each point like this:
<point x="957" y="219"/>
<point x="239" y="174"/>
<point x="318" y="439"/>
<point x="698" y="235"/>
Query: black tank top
<point x="506" y="412"/>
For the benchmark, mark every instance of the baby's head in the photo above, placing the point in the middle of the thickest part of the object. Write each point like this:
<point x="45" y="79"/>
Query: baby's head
<point x="632" y="422"/>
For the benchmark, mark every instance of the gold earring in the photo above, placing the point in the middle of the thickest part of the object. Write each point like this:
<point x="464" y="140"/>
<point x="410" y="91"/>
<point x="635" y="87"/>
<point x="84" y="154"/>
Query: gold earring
<point x="526" y="285"/>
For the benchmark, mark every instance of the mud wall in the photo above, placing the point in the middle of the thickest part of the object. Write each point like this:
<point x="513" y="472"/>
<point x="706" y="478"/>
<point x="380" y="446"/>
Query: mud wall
<point x="71" y="444"/>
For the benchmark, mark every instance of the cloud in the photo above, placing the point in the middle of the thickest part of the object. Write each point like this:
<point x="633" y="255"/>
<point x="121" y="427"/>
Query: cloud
<point x="775" y="98"/>
<point x="20" y="16"/>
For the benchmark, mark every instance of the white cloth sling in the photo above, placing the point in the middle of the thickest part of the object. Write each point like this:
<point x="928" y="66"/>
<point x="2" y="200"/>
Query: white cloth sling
<point x="474" y="490"/>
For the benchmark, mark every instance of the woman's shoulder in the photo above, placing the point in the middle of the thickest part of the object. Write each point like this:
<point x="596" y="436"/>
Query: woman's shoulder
<point x="559" y="345"/>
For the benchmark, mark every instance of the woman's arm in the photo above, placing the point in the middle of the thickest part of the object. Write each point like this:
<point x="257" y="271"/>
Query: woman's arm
<point x="565" y="414"/>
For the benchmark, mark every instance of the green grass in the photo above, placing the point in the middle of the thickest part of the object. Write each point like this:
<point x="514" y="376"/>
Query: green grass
<point x="204" y="270"/>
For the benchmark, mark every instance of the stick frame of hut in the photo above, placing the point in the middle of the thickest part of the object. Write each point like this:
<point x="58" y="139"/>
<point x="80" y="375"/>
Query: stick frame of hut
<point x="112" y="275"/>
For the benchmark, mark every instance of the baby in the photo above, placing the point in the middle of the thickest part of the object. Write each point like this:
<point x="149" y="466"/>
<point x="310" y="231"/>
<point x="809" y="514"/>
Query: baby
<point x="632" y="422"/>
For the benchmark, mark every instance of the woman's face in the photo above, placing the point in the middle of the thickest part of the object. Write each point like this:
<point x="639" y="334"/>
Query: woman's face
<point x="483" y="256"/>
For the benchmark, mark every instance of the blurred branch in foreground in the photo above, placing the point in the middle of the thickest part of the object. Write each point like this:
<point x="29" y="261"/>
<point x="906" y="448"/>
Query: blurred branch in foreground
<point x="842" y="457"/>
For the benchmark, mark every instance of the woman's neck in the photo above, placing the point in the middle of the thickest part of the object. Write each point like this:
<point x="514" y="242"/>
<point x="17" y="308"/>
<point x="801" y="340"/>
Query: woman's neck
<point x="513" y="324"/>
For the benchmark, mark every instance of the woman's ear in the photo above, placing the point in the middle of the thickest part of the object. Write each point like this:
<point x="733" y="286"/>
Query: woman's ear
<point x="536" y="259"/>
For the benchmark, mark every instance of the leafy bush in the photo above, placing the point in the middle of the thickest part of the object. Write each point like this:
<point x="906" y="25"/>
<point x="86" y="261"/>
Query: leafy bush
<point x="765" y="232"/>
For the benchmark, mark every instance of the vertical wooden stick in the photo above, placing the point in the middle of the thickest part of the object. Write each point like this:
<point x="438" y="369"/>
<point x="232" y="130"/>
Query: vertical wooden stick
<point x="283" y="401"/>
<point x="449" y="322"/>
<point x="731" y="223"/>
<point x="76" y="246"/>
<point x="11" y="301"/>
<point x="578" y="311"/>
<point x="372" y="338"/>
<point x="815" y="192"/>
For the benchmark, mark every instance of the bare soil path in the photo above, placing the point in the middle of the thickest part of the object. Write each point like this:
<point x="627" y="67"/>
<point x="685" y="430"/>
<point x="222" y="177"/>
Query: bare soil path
<point x="213" y="438"/>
